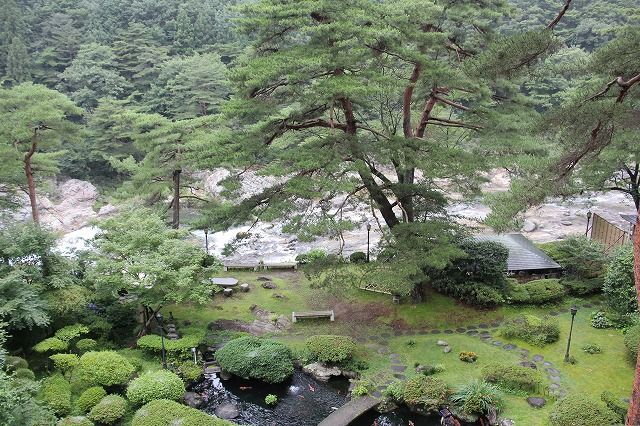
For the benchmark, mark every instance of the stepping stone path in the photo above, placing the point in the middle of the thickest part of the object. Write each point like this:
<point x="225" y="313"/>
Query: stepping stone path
<point x="537" y="358"/>
<point x="536" y="402"/>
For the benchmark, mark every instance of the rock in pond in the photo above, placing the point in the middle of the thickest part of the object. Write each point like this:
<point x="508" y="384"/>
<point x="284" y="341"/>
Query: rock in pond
<point x="192" y="399"/>
<point x="227" y="411"/>
<point x="321" y="372"/>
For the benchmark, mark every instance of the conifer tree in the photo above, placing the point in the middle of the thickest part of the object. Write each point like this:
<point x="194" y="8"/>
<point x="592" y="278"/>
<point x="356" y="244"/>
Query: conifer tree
<point x="18" y="68"/>
<point x="57" y="48"/>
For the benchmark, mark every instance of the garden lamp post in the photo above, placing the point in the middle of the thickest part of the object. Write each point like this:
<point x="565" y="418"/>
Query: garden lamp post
<point x="195" y="359"/>
<point x="574" y="310"/>
<point x="206" y="240"/>
<point x="368" y="239"/>
<point x="586" y="232"/>
<point x="164" y="354"/>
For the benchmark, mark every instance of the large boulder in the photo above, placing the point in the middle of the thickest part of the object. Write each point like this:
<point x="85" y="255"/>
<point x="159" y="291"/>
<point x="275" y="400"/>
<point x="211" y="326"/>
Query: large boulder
<point x="321" y="372"/>
<point x="192" y="399"/>
<point x="227" y="411"/>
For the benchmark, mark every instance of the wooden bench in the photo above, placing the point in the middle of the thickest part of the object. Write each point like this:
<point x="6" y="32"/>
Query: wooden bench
<point x="252" y="266"/>
<point x="312" y="314"/>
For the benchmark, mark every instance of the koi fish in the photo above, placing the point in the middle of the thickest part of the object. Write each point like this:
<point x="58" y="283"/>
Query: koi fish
<point x="245" y="387"/>
<point x="311" y="388"/>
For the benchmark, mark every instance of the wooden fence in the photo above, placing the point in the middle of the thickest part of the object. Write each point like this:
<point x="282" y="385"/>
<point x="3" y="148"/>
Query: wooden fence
<point x="607" y="233"/>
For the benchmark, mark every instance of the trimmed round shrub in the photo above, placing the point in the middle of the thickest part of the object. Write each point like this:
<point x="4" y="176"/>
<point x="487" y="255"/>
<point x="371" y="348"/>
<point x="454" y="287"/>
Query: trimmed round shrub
<point x="70" y="332"/>
<point x="579" y="255"/>
<point x="109" y="410"/>
<point x="632" y="341"/>
<point x="577" y="409"/>
<point x="86" y="345"/>
<point x="536" y="292"/>
<point x="514" y="377"/>
<point x="532" y="329"/>
<point x="12" y="363"/>
<point x="65" y="362"/>
<point x="56" y="394"/>
<point x="477" y="396"/>
<point x="89" y="398"/>
<point x="256" y="358"/>
<point x="592" y="348"/>
<point x="75" y="421"/>
<point x="329" y="348"/>
<point x="619" y="287"/>
<point x="425" y="394"/>
<point x="152" y="385"/>
<point x="615" y="404"/>
<point x="24" y="373"/>
<point x="179" y="348"/>
<point x="106" y="368"/>
<point x="52" y="344"/>
<point x="584" y="286"/>
<point x="162" y="412"/>
<point x="358" y="257"/>
<point x="189" y="372"/>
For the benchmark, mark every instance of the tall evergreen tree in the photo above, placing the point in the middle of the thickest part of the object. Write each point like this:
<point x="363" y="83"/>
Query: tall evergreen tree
<point x="12" y="26"/>
<point x="18" y="68"/>
<point x="56" y="48"/>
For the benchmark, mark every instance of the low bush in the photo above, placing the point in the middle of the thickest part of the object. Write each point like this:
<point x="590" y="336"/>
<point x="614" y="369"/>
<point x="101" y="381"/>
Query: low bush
<point x="188" y="371"/>
<point x="430" y="370"/>
<point x="329" y="348"/>
<point x="619" y="288"/>
<point x="12" y="363"/>
<point x="152" y="385"/>
<point x="592" y="348"/>
<point x="253" y="357"/>
<point x="86" y="345"/>
<point x="513" y="377"/>
<point x="311" y="256"/>
<point x="395" y="391"/>
<point x="615" y="404"/>
<point x="580" y="256"/>
<point x="536" y="292"/>
<point x="162" y="412"/>
<point x="576" y="409"/>
<point x="468" y="356"/>
<point x="89" y="398"/>
<point x="477" y="396"/>
<point x="271" y="399"/>
<point x="56" y="394"/>
<point x="75" y="421"/>
<point x="24" y="373"/>
<point x="65" y="362"/>
<point x="631" y="342"/>
<point x="358" y="257"/>
<point x="532" y="329"/>
<point x="70" y="332"/>
<point x="360" y="389"/>
<point x="106" y="368"/>
<point x="179" y="348"/>
<point x="600" y="320"/>
<point x="109" y="410"/>
<point x="427" y="394"/>
<point x="52" y="344"/>
<point x="584" y="286"/>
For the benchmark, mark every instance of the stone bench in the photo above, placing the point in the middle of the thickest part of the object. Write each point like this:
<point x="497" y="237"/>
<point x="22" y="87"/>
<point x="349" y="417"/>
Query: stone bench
<point x="312" y="314"/>
<point x="283" y="265"/>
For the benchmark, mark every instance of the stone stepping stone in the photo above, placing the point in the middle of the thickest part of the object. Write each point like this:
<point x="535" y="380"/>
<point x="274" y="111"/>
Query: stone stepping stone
<point x="448" y="331"/>
<point x="397" y="356"/>
<point x="554" y="386"/>
<point x="555" y="379"/>
<point x="383" y="351"/>
<point x="536" y="402"/>
<point x="381" y="388"/>
<point x="562" y="393"/>
<point x="472" y="327"/>
<point x="361" y="339"/>
<point x="485" y="338"/>
<point x="397" y="332"/>
<point x="377" y="394"/>
<point x="423" y="332"/>
<point x="554" y="313"/>
<point x="537" y="358"/>
<point x="400" y="376"/>
<point x="524" y="352"/>
<point x="385" y="335"/>
<point x="436" y="331"/>
<point x="461" y="330"/>
<point x="483" y="325"/>
<point x="547" y="364"/>
<point x="509" y="347"/>
<point x="495" y="324"/>
<point x="396" y="361"/>
<point x="383" y="342"/>
<point x="398" y="368"/>
<point x="472" y="332"/>
<point x="496" y="343"/>
<point x="553" y="371"/>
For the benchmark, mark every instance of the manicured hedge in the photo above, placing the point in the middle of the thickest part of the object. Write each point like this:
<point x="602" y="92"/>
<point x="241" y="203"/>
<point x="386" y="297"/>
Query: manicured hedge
<point x="532" y="329"/>
<point x="24" y="373"/>
<point x="425" y="393"/>
<point x="70" y="332"/>
<point x="64" y="362"/>
<point x="536" y="292"/>
<point x="619" y="287"/>
<point x="329" y="348"/>
<point x="577" y="409"/>
<point x="86" y="345"/>
<point x="615" y="404"/>
<point x="109" y="410"/>
<point x="52" y="344"/>
<point x="14" y="362"/>
<point x="514" y="377"/>
<point x="632" y="341"/>
<point x="152" y="385"/>
<point x="584" y="286"/>
<point x="75" y="421"/>
<point x="89" y="398"/>
<point x="163" y="412"/>
<point x="56" y="394"/>
<point x="253" y="357"/>
<point x="180" y="348"/>
<point x="105" y="368"/>
<point x="358" y="257"/>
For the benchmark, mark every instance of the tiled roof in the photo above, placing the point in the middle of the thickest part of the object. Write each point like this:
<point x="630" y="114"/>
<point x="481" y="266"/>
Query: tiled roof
<point x="523" y="255"/>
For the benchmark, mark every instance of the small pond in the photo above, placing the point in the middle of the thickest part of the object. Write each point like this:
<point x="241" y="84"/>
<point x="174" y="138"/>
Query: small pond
<point x="399" y="417"/>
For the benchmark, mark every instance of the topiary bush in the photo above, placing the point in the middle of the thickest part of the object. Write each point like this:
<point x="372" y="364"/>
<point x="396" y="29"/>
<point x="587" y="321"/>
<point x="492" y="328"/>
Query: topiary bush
<point x="532" y="329"/>
<point x="330" y="348"/>
<point x="12" y="363"/>
<point x="56" y="394"/>
<point x="583" y="286"/>
<point x="109" y="410"/>
<point x="52" y="344"/>
<point x="179" y="348"/>
<point x="86" y="345"/>
<point x="619" y="288"/>
<point x="106" y="368"/>
<point x="577" y="409"/>
<point x="152" y="385"/>
<point x="358" y="257"/>
<point x="253" y="357"/>
<point x="632" y="341"/>
<point x="615" y="404"/>
<point x="89" y="398"/>
<point x="188" y="371"/>
<point x="162" y="412"/>
<point x="65" y="362"/>
<point x="24" y="373"/>
<point x="477" y="396"/>
<point x="513" y="377"/>
<point x="536" y="292"/>
<point x="70" y="332"/>
<point x="425" y="394"/>
<point x="75" y="421"/>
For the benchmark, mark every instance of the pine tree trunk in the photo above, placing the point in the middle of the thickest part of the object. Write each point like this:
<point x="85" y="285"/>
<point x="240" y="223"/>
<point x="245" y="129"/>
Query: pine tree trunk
<point x="633" y="415"/>
<point x="176" y="198"/>
<point x="31" y="185"/>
